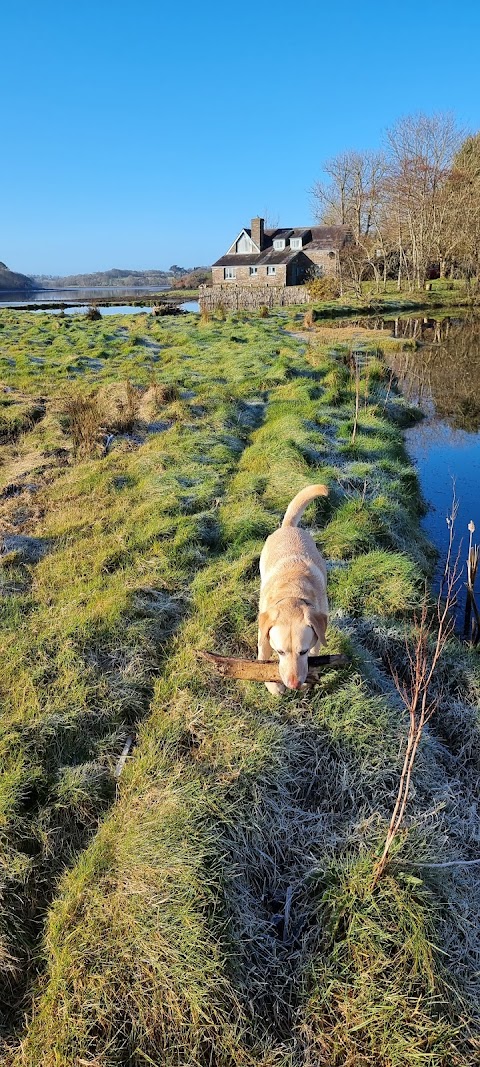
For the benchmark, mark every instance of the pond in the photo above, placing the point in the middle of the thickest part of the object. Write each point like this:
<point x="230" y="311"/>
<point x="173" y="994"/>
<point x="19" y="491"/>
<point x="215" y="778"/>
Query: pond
<point x="442" y="377"/>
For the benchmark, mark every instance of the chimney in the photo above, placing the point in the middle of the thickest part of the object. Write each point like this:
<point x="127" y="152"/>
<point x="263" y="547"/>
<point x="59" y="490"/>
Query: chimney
<point x="257" y="232"/>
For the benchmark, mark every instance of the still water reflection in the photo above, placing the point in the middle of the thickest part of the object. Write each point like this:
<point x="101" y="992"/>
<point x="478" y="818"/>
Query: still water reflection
<point x="442" y="376"/>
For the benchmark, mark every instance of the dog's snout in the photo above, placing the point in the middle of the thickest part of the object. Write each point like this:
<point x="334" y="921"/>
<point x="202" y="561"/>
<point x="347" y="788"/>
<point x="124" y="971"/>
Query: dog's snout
<point x="293" y="683"/>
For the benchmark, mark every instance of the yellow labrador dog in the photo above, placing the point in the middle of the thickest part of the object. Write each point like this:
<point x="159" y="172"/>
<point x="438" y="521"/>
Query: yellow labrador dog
<point x="293" y="612"/>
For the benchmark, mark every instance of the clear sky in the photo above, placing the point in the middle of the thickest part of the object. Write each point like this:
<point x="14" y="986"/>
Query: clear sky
<point x="144" y="134"/>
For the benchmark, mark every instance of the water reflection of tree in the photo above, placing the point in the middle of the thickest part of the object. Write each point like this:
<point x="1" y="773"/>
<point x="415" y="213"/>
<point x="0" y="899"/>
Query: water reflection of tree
<point x="444" y="371"/>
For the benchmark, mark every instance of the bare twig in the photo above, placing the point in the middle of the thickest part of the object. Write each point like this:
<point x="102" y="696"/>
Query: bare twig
<point x="435" y="866"/>
<point x="473" y="558"/>
<point x="416" y="692"/>
<point x="357" y="394"/>
<point x="123" y="757"/>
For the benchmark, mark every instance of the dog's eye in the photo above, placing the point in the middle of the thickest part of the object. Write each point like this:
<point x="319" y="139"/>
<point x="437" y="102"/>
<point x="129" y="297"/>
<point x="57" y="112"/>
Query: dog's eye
<point x="280" y="652"/>
<point x="304" y="652"/>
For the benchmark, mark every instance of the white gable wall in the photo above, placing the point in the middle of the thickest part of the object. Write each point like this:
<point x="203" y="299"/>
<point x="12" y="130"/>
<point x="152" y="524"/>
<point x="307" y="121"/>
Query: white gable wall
<point x="244" y="244"/>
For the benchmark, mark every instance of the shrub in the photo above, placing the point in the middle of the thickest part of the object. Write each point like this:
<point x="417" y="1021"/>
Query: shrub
<point x="263" y="311"/>
<point x="93" y="313"/>
<point x="326" y="288"/>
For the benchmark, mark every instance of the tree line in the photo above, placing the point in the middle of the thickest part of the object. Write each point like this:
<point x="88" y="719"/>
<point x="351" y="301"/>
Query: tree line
<point x="413" y="207"/>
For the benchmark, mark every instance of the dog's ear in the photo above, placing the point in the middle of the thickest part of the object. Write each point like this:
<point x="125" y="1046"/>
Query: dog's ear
<point x="318" y="621"/>
<point x="266" y="620"/>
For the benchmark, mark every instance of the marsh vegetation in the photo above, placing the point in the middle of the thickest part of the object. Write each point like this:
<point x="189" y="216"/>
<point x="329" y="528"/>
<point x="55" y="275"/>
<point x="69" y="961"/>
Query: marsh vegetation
<point x="214" y="903"/>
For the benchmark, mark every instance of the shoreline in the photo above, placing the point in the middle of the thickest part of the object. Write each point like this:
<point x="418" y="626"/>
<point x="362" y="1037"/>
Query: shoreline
<point x="165" y="296"/>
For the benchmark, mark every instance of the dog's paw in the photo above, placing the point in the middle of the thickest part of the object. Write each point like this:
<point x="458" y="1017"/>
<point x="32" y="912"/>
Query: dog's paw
<point x="276" y="688"/>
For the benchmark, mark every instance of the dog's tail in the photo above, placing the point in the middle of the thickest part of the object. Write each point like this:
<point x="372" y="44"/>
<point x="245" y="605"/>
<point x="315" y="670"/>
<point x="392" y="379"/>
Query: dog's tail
<point x="297" y="506"/>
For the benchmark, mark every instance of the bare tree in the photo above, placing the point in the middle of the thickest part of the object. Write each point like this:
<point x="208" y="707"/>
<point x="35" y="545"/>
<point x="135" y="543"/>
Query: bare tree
<point x="413" y="207"/>
<point x="421" y="153"/>
<point x="464" y="216"/>
<point x="350" y="195"/>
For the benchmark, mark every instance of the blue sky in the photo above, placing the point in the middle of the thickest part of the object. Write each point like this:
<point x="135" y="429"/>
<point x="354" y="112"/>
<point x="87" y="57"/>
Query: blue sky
<point x="139" y="135"/>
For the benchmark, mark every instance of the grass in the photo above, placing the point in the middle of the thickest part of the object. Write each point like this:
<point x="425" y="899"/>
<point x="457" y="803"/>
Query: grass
<point x="378" y="583"/>
<point x="212" y="906"/>
<point x="443" y="294"/>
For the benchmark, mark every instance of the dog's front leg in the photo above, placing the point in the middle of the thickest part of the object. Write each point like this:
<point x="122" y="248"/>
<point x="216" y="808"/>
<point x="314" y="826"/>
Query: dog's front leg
<point x="265" y="652"/>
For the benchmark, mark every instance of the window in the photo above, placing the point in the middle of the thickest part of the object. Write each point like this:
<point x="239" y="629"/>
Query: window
<point x="253" y="270"/>
<point x="295" y="242"/>
<point x="229" y="273"/>
<point x="271" y="270"/>
<point x="279" y="244"/>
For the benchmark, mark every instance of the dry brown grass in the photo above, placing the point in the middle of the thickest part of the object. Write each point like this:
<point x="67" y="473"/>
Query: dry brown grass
<point x="85" y="418"/>
<point x="165" y="394"/>
<point x="309" y="317"/>
<point x="345" y="334"/>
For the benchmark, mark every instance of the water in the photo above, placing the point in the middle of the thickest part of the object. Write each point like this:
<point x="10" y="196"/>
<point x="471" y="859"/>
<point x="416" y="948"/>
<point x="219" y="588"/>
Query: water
<point x="442" y="377"/>
<point x="78" y="295"/>
<point x="77" y="300"/>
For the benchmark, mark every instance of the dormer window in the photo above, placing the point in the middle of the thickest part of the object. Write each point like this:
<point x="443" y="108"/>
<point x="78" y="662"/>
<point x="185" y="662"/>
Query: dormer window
<point x="279" y="244"/>
<point x="295" y="242"/>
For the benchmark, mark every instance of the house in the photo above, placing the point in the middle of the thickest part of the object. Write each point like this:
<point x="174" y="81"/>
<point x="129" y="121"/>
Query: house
<point x="280" y="257"/>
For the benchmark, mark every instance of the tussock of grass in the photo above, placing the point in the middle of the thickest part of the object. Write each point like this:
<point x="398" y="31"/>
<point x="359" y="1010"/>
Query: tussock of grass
<point x="378" y="583"/>
<point x="352" y="530"/>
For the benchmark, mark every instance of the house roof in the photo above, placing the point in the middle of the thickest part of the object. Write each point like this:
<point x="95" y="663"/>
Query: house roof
<point x="329" y="237"/>
<point x="316" y="238"/>
<point x="254" y="259"/>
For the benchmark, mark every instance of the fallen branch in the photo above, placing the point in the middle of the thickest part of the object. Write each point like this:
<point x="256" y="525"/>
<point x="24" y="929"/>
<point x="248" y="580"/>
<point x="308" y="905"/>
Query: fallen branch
<point x="267" y="670"/>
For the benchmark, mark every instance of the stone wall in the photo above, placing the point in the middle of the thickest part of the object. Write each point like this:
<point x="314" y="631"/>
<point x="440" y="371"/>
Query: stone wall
<point x="248" y="297"/>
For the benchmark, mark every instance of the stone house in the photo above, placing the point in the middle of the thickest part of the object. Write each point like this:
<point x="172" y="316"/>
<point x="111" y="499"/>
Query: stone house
<point x="280" y="257"/>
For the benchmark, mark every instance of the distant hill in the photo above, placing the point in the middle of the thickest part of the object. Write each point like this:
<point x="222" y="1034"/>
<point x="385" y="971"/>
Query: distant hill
<point x="9" y="280"/>
<point x="128" y="279"/>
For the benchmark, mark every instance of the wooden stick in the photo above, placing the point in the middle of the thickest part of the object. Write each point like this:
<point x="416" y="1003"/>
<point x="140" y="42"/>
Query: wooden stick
<point x="267" y="670"/>
<point x="123" y="757"/>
